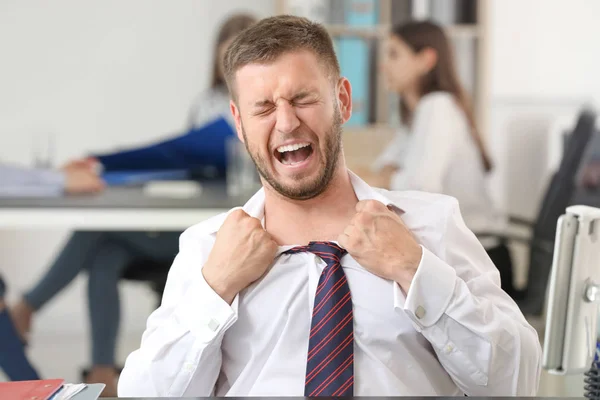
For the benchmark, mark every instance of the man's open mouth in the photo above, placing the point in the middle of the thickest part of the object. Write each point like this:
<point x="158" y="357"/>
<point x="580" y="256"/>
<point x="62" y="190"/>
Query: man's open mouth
<point x="293" y="154"/>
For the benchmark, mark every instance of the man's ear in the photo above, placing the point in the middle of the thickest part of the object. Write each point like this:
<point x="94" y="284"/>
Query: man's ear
<point x="344" y="98"/>
<point x="235" y="111"/>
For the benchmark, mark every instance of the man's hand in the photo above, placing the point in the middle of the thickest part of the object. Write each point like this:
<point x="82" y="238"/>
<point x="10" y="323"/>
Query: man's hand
<point x="378" y="240"/>
<point x="80" y="180"/>
<point x="242" y="253"/>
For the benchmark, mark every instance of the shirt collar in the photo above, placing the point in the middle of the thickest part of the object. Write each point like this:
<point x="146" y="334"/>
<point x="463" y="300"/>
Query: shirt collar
<point x="255" y="207"/>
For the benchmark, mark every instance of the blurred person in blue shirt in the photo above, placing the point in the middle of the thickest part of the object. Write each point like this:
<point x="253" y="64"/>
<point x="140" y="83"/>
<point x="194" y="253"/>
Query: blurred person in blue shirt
<point x="106" y="255"/>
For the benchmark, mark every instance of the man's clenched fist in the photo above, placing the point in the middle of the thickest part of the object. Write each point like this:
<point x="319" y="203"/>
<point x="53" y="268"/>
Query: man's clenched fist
<point x="242" y="253"/>
<point x="379" y="241"/>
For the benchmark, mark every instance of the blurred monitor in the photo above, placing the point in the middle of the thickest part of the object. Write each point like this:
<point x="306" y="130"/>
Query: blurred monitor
<point x="570" y="338"/>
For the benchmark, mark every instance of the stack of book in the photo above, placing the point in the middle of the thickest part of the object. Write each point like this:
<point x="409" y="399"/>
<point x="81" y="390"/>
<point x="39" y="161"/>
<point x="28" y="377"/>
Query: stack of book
<point x="49" y="389"/>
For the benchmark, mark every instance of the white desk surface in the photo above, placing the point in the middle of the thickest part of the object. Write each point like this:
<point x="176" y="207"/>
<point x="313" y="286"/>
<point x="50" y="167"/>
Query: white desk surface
<point x="116" y="209"/>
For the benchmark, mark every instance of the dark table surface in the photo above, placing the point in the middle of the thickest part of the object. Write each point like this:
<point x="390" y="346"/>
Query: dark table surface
<point x="212" y="196"/>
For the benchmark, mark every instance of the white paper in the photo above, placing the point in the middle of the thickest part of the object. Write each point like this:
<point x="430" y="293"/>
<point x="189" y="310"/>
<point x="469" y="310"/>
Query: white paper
<point x="69" y="390"/>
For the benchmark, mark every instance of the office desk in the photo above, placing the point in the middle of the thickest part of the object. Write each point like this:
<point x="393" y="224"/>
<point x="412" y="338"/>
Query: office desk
<point x="117" y="209"/>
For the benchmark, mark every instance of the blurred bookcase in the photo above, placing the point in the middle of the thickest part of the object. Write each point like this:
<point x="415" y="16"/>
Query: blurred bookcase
<point x="359" y="28"/>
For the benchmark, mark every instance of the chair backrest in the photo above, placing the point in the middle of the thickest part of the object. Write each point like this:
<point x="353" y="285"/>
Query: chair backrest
<point x="149" y="270"/>
<point x="558" y="195"/>
<point x="562" y="185"/>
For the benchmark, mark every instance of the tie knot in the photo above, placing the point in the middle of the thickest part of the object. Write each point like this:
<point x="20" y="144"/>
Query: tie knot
<point x="328" y="251"/>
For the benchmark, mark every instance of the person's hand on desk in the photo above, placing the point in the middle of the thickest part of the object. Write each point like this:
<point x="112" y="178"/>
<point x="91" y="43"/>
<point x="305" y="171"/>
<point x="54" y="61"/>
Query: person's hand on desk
<point x="82" y="180"/>
<point x="88" y="163"/>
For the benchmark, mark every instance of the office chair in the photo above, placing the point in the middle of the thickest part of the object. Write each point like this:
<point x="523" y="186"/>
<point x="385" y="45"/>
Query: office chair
<point x="557" y="197"/>
<point x="151" y="271"/>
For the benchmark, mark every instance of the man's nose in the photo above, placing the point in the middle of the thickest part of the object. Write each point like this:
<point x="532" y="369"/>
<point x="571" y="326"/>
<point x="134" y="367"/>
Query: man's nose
<point x="287" y="120"/>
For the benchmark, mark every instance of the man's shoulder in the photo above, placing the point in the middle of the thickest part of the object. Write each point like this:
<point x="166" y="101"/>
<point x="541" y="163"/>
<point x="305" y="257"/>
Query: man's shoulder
<point x="426" y="215"/>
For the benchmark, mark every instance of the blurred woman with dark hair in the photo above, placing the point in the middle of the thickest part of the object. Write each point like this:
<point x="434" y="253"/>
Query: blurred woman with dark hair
<point x="443" y="151"/>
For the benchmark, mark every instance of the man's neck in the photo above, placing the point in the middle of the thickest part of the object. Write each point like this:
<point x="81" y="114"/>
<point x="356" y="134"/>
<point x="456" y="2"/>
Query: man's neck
<point x="323" y="218"/>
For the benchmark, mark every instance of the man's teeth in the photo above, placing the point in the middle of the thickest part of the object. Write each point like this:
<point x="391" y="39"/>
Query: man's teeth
<point x="292" y="147"/>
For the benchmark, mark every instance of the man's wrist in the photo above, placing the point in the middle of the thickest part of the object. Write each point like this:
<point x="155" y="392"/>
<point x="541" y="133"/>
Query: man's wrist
<point x="404" y="274"/>
<point x="221" y="287"/>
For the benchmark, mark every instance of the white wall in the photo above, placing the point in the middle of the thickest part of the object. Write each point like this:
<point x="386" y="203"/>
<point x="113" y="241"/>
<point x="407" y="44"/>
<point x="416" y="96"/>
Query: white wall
<point x="544" y="64"/>
<point x="545" y="48"/>
<point x="96" y="74"/>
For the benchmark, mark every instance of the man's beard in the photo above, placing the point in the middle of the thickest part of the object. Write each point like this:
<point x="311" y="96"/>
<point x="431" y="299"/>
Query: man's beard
<point x="329" y="162"/>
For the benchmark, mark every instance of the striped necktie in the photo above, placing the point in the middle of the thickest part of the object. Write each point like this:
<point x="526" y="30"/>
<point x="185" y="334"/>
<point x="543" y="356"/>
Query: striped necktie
<point x="330" y="361"/>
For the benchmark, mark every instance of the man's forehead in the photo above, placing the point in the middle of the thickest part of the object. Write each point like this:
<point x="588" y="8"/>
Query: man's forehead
<point x="273" y="80"/>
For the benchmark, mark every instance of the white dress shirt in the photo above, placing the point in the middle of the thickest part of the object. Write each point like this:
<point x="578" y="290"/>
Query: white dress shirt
<point x="454" y="332"/>
<point x="439" y="155"/>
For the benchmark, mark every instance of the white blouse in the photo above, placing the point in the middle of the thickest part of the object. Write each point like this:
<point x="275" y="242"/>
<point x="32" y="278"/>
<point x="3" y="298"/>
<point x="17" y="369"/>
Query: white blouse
<point x="209" y="105"/>
<point x="440" y="156"/>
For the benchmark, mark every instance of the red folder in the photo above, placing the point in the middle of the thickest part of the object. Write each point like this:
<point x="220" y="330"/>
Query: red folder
<point x="30" y="390"/>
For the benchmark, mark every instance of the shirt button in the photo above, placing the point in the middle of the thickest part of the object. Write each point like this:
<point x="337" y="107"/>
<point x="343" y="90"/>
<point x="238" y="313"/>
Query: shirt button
<point x="420" y="312"/>
<point x="448" y="349"/>
<point x="213" y="324"/>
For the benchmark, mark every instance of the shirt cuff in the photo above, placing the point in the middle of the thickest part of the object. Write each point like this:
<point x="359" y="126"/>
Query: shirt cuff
<point x="204" y="312"/>
<point x="430" y="291"/>
<point x="52" y="178"/>
<point x="61" y="180"/>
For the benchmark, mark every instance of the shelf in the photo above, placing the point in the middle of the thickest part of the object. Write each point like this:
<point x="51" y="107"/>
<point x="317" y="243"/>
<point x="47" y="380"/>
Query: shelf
<point x="367" y="32"/>
<point x="382" y="30"/>
<point x="376" y="129"/>
<point x="463" y="30"/>
<point x="475" y="34"/>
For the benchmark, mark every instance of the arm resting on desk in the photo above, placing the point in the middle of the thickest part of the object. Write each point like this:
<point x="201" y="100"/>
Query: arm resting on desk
<point x="180" y="354"/>
<point x="198" y="147"/>
<point x="14" y="176"/>
<point x="479" y="334"/>
<point x="18" y="181"/>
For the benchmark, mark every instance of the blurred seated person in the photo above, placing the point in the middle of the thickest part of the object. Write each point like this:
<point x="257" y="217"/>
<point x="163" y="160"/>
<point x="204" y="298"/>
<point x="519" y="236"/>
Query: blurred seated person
<point x="13" y="361"/>
<point x="443" y="151"/>
<point x="105" y="255"/>
<point x="22" y="182"/>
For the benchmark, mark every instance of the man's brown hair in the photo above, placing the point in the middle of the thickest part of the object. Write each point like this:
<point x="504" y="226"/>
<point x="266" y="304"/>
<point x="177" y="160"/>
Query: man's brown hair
<point x="272" y="37"/>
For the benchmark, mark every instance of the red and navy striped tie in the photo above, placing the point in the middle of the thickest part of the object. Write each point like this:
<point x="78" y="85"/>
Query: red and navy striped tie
<point x="330" y="362"/>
